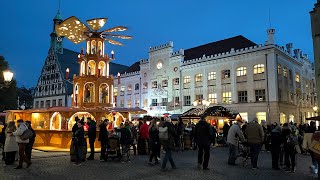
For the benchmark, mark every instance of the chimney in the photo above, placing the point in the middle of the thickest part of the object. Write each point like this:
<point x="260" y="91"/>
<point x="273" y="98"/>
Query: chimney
<point x="270" y="33"/>
<point x="297" y="54"/>
<point x="289" y="48"/>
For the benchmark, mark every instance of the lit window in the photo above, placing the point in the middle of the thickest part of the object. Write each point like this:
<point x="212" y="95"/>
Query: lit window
<point x="258" y="69"/>
<point x="122" y="88"/>
<point x="176" y="81"/>
<point x="129" y="87"/>
<point x="154" y="84"/>
<point x="145" y="85"/>
<point x="198" y="77"/>
<point x="285" y="72"/>
<point x="261" y="116"/>
<point x="260" y="95"/>
<point x="242" y="71"/>
<point x="199" y="98"/>
<point x="145" y="103"/>
<point x="186" y="80"/>
<point x="226" y="97"/>
<point x="115" y="91"/>
<point x="225" y="74"/>
<point x="297" y="78"/>
<point x="212" y="76"/>
<point x="213" y="98"/>
<point x="279" y="69"/>
<point x="129" y="104"/>
<point x="165" y="83"/>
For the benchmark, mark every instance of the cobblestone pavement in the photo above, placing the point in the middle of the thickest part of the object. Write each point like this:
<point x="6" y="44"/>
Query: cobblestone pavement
<point x="58" y="166"/>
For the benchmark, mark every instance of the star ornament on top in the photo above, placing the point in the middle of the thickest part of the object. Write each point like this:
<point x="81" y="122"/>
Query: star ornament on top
<point x="76" y="31"/>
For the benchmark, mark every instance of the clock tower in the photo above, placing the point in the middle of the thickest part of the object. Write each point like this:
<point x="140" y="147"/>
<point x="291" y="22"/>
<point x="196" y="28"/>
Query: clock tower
<point x="56" y="41"/>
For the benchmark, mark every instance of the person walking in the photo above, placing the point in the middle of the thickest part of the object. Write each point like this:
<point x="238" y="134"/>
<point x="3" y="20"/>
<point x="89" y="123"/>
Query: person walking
<point x="22" y="127"/>
<point x="143" y="138"/>
<point x="168" y="145"/>
<point x="134" y="133"/>
<point x="31" y="141"/>
<point x="255" y="137"/>
<point x="275" y="146"/>
<point x="103" y="138"/>
<point x="125" y="141"/>
<point x="79" y="141"/>
<point x="225" y="131"/>
<point x="11" y="146"/>
<point x="154" y="142"/>
<point x="234" y="136"/>
<point x="307" y="139"/>
<point x="92" y="130"/>
<point x="203" y="136"/>
<point x="290" y="141"/>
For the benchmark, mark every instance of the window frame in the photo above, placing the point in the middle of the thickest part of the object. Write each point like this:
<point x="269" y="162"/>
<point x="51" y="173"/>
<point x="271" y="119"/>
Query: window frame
<point x="241" y="71"/>
<point x="227" y="99"/>
<point x="260" y="93"/>
<point x="187" y="100"/>
<point x="212" y="76"/>
<point x="198" y="77"/>
<point x="242" y="96"/>
<point x="258" y="69"/>
<point x="226" y="74"/>
<point x="186" y="80"/>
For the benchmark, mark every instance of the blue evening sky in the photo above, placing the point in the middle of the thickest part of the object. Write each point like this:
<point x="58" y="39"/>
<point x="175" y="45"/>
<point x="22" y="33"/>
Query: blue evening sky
<point x="26" y="25"/>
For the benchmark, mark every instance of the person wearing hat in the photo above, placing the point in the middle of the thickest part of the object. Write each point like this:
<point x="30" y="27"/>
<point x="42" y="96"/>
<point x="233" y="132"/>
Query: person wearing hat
<point x="255" y="136"/>
<point x="234" y="135"/>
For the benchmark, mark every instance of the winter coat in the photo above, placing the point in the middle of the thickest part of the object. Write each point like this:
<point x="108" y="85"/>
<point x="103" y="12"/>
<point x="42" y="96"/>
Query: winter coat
<point x="144" y="131"/>
<point x="276" y="139"/>
<point x="79" y="137"/>
<point x="11" y="144"/>
<point x="103" y="134"/>
<point x="169" y="144"/>
<point x="92" y="130"/>
<point x="153" y="135"/>
<point x="125" y="136"/>
<point x="225" y="130"/>
<point x="203" y="133"/>
<point x="235" y="134"/>
<point x="254" y="133"/>
<point x="22" y="127"/>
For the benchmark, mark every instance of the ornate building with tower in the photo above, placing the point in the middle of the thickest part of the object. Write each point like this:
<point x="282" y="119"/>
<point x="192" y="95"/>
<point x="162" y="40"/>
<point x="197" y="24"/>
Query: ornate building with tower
<point x="267" y="81"/>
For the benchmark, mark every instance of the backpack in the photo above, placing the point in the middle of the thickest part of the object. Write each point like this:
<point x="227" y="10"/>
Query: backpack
<point x="292" y="140"/>
<point x="27" y="134"/>
<point x="163" y="133"/>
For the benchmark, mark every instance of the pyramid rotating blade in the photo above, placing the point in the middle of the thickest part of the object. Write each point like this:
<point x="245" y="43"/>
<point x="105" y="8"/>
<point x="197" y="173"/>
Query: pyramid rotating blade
<point x="73" y="29"/>
<point x="97" y="23"/>
<point x="113" y="42"/>
<point x="117" y="28"/>
<point x="117" y="36"/>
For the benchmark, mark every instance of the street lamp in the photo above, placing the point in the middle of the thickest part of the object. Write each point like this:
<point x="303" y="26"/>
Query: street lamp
<point x="7" y="76"/>
<point x="315" y="109"/>
<point x="205" y="103"/>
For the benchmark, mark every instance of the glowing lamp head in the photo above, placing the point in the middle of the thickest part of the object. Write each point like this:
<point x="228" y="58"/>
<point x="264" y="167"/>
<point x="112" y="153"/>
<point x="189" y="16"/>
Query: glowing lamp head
<point x="118" y="74"/>
<point x="7" y="75"/>
<point x="67" y="70"/>
<point x="315" y="108"/>
<point x="195" y="103"/>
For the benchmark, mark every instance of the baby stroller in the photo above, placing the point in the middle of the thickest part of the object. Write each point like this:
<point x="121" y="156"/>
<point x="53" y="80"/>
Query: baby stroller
<point x="243" y="153"/>
<point x="113" y="149"/>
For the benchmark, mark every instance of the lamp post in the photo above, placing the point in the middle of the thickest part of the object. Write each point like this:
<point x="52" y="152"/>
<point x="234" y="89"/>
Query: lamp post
<point x="7" y="76"/>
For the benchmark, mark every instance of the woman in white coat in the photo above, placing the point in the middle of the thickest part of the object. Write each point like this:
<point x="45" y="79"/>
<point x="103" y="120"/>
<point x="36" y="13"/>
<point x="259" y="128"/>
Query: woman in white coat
<point x="11" y="146"/>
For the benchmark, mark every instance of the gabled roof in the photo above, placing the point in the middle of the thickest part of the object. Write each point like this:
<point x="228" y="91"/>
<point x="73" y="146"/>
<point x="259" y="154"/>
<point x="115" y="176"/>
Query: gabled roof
<point x="133" y="68"/>
<point x="237" y="42"/>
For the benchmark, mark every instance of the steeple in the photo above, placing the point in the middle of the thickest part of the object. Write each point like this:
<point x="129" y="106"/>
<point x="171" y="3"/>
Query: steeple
<point x="56" y="41"/>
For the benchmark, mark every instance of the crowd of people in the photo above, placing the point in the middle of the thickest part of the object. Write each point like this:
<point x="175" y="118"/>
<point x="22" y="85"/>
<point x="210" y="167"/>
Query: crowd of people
<point x="17" y="140"/>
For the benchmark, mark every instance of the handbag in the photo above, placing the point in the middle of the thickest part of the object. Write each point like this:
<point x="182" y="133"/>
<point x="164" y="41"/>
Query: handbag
<point x="27" y="134"/>
<point x="315" y="147"/>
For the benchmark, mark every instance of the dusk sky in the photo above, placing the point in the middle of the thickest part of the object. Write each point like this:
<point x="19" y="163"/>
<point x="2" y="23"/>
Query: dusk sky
<point x="26" y="25"/>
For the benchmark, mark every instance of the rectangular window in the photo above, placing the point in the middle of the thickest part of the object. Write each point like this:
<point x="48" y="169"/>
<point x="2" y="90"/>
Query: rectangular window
<point x="198" y="77"/>
<point x="225" y="74"/>
<point x="165" y="83"/>
<point x="122" y="88"/>
<point x="129" y="87"/>
<point x="187" y="100"/>
<point x="176" y="100"/>
<point x="164" y="101"/>
<point x="297" y="78"/>
<point x="136" y="103"/>
<point x="129" y="104"/>
<point x="199" y="98"/>
<point x="186" y="80"/>
<point x="226" y="97"/>
<point x="145" y="85"/>
<point x="242" y="71"/>
<point x="60" y="102"/>
<point x="145" y="103"/>
<point x="154" y="84"/>
<point x="285" y="72"/>
<point x="176" y="81"/>
<point x="261" y="116"/>
<point x="260" y="95"/>
<point x="41" y="104"/>
<point x="258" y="69"/>
<point x="279" y="68"/>
<point x="154" y="102"/>
<point x="136" y="86"/>
<point x="115" y="91"/>
<point x="242" y="96"/>
<point x="54" y="103"/>
<point x="37" y="104"/>
<point x="212" y="76"/>
<point x="213" y="98"/>
<point x="122" y="103"/>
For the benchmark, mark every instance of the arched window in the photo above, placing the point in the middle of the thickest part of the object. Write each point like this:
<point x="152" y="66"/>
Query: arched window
<point x="241" y="71"/>
<point x="99" y="48"/>
<point x="258" y="69"/>
<point x="88" y="93"/>
<point x="91" y="68"/>
<point x="104" y="93"/>
<point x="88" y="47"/>
<point x="297" y="78"/>
<point x="285" y="72"/>
<point x="102" y="68"/>
<point x="83" y="68"/>
<point x="93" y="47"/>
<point x="279" y="69"/>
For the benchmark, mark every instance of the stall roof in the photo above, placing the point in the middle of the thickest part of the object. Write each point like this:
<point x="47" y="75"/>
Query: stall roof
<point x="210" y="111"/>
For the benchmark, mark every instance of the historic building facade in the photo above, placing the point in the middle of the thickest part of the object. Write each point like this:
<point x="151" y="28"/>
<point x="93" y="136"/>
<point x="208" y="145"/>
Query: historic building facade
<point x="267" y="81"/>
<point x="54" y="87"/>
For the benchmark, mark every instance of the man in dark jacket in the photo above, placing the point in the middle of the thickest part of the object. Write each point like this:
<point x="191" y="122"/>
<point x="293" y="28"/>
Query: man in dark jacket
<point x="125" y="141"/>
<point x="92" y="130"/>
<point x="168" y="145"/>
<point x="275" y="146"/>
<point x="29" y="146"/>
<point x="203" y="137"/>
<point x="103" y="138"/>
<point x="225" y="131"/>
<point x="79" y="142"/>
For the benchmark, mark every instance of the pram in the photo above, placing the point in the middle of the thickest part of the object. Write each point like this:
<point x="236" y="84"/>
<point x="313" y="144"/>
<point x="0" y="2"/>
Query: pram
<point x="243" y="153"/>
<point x="113" y="148"/>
